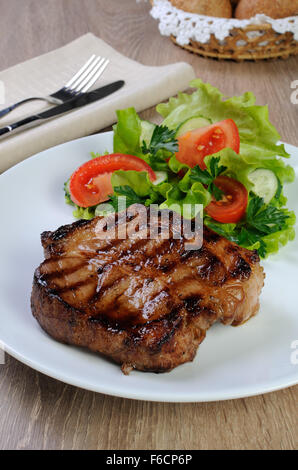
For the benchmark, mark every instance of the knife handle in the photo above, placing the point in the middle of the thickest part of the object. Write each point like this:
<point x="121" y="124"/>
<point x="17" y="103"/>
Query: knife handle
<point x="24" y="123"/>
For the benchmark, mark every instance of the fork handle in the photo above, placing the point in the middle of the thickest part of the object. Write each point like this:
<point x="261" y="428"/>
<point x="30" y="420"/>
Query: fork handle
<point x="5" y="111"/>
<point x="27" y="122"/>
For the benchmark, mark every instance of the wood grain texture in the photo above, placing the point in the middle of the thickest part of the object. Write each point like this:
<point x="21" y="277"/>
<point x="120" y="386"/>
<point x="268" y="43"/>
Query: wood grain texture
<point x="37" y="412"/>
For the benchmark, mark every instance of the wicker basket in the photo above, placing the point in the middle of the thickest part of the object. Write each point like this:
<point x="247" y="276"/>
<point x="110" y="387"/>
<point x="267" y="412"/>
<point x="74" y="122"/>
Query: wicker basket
<point x="252" y="42"/>
<point x="277" y="45"/>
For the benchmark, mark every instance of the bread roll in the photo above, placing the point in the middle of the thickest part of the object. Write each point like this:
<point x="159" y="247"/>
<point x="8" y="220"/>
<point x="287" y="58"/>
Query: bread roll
<point x="274" y="9"/>
<point x="220" y="8"/>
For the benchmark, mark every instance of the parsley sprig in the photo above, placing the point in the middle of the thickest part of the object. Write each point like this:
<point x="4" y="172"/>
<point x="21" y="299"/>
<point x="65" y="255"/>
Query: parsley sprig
<point x="162" y="139"/>
<point x="126" y="191"/>
<point x="261" y="220"/>
<point x="264" y="218"/>
<point x="207" y="177"/>
<point x="249" y="237"/>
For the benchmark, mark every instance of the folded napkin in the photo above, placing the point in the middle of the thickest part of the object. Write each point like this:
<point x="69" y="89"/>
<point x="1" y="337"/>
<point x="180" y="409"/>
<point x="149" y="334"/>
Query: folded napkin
<point x="144" y="87"/>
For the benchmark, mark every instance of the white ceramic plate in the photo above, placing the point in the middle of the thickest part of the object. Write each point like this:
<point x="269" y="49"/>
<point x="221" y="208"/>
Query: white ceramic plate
<point x="231" y="363"/>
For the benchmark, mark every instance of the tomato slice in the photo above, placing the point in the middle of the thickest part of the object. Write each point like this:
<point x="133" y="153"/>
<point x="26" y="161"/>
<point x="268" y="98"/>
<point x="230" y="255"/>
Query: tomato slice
<point x="91" y="183"/>
<point x="231" y="208"/>
<point x="194" y="146"/>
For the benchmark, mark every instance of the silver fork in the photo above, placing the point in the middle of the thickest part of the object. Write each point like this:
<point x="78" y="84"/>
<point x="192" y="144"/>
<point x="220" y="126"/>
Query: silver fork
<point x="81" y="82"/>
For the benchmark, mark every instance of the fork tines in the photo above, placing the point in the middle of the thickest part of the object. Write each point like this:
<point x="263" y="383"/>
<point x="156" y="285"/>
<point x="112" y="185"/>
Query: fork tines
<point x="87" y="75"/>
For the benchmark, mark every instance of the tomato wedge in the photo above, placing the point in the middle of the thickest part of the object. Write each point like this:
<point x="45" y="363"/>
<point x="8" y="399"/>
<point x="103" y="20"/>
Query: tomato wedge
<point x="231" y="208"/>
<point x="91" y="183"/>
<point x="195" y="145"/>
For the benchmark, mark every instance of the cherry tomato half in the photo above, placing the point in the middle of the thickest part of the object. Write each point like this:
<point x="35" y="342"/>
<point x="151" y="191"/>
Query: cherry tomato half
<point x="91" y="183"/>
<point x="231" y="208"/>
<point x="194" y="146"/>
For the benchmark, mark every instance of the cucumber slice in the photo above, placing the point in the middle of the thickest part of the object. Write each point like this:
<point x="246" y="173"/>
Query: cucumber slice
<point x="265" y="183"/>
<point x="147" y="131"/>
<point x="161" y="177"/>
<point x="191" y="124"/>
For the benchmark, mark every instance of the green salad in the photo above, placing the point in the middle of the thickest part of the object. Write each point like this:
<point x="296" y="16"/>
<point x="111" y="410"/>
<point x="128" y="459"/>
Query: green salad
<point x="221" y="153"/>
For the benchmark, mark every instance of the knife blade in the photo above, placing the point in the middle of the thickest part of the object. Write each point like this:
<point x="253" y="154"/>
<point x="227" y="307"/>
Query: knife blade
<point x="74" y="103"/>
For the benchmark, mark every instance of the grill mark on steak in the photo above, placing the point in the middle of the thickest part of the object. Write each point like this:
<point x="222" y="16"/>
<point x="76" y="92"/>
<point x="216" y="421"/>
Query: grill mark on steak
<point x="137" y="330"/>
<point x="110" y="244"/>
<point x="210" y="236"/>
<point x="63" y="231"/>
<point x="73" y="287"/>
<point x="64" y="272"/>
<point x="209" y="266"/>
<point x="115" y="325"/>
<point x="241" y="270"/>
<point x="144" y="303"/>
<point x="192" y="304"/>
<point x="169" y="333"/>
<point x="107" y="289"/>
<point x="135" y="247"/>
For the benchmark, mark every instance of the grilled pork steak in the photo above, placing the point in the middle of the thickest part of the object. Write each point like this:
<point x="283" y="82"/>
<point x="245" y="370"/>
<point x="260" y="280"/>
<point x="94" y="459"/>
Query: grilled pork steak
<point x="146" y="304"/>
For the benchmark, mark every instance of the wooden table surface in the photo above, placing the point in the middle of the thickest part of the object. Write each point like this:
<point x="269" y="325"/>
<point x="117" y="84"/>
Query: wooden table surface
<point x="37" y="412"/>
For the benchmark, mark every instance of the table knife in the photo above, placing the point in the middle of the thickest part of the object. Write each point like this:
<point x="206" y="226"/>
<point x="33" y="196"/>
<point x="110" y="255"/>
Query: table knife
<point x="74" y="103"/>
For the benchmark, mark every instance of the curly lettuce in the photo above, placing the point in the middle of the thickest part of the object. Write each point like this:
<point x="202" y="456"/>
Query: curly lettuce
<point x="255" y="130"/>
<point x="127" y="133"/>
<point x="185" y="197"/>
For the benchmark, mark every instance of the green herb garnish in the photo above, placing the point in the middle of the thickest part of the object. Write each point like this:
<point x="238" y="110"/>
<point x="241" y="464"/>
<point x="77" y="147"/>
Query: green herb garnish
<point x="207" y="177"/>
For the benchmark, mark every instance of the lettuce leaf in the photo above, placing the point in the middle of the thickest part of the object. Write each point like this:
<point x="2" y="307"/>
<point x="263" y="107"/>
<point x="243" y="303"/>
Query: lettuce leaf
<point x="276" y="240"/>
<point x="188" y="201"/>
<point x="255" y="129"/>
<point x="79" y="212"/>
<point x="127" y="133"/>
<point x="139" y="181"/>
<point x="169" y="195"/>
<point x="175" y="166"/>
<point x="129" y="139"/>
<point x="87" y="213"/>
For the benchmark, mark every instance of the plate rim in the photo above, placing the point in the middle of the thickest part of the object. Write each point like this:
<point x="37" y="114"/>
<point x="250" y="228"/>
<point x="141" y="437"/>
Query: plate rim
<point x="254" y="391"/>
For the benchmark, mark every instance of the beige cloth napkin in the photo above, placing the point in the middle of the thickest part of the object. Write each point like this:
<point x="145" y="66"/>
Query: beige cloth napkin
<point x="145" y="86"/>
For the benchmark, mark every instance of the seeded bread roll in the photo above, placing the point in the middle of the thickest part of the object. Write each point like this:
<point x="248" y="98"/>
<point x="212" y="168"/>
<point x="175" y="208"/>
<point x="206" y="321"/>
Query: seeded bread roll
<point x="274" y="9"/>
<point x="222" y="8"/>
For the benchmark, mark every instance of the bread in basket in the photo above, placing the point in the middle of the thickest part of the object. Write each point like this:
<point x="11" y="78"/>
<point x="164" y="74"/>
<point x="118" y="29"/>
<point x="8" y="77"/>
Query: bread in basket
<point x="260" y="37"/>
